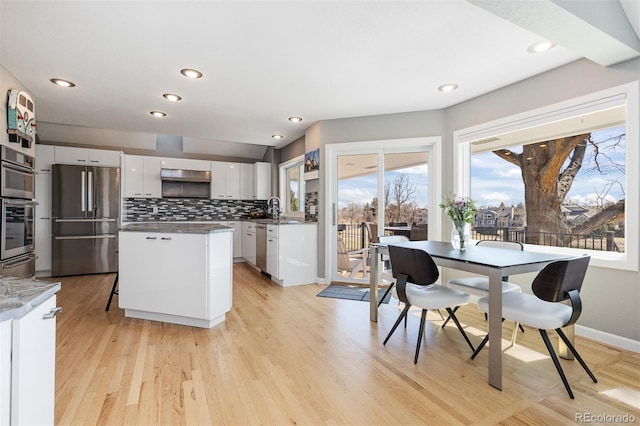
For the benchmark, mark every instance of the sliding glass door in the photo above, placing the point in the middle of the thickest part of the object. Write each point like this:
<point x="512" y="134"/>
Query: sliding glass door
<point x="375" y="188"/>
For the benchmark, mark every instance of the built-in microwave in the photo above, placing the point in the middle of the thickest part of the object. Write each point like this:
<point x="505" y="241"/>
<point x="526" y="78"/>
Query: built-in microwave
<point x="17" y="176"/>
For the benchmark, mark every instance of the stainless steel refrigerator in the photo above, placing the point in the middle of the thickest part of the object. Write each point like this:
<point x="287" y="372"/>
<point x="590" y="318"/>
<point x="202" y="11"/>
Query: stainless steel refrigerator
<point x="85" y="211"/>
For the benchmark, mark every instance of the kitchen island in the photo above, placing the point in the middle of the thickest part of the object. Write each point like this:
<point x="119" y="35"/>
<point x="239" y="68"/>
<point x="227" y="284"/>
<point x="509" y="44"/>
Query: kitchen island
<point x="179" y="273"/>
<point x="27" y="350"/>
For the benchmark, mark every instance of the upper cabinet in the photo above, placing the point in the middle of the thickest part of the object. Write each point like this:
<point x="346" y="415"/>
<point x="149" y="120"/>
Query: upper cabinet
<point x="262" y="181"/>
<point x="86" y="156"/>
<point x="142" y="177"/>
<point x="185" y="164"/>
<point x="225" y="180"/>
<point x="44" y="158"/>
<point x="247" y="184"/>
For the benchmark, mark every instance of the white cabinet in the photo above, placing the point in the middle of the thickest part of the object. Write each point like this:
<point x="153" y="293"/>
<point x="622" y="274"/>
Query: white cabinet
<point x="247" y="183"/>
<point x="225" y="180"/>
<point x="142" y="177"/>
<point x="33" y="366"/>
<point x="262" y="181"/>
<point x="249" y="242"/>
<point x="237" y="237"/>
<point x="86" y="156"/>
<point x="44" y="161"/>
<point x="44" y="158"/>
<point x="176" y="277"/>
<point x="43" y="224"/>
<point x="185" y="163"/>
<point x="272" y="250"/>
<point x="296" y="254"/>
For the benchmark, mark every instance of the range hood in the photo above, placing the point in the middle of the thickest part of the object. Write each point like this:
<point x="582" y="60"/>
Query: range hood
<point x="181" y="175"/>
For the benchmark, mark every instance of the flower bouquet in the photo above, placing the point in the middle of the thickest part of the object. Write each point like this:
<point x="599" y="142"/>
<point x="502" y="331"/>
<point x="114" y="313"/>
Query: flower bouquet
<point x="460" y="210"/>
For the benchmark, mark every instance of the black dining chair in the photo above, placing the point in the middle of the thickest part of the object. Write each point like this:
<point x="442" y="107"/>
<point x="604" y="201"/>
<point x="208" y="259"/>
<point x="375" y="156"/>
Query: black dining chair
<point x="544" y="309"/>
<point x="416" y="273"/>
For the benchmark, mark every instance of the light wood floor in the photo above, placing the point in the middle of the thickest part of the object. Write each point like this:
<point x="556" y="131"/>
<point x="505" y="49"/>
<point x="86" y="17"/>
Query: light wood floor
<point x="285" y="356"/>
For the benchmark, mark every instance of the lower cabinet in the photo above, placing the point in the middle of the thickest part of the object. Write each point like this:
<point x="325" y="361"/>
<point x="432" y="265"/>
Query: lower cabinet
<point x="249" y="242"/>
<point x="176" y="277"/>
<point x="292" y="254"/>
<point x="237" y="238"/>
<point x="27" y="367"/>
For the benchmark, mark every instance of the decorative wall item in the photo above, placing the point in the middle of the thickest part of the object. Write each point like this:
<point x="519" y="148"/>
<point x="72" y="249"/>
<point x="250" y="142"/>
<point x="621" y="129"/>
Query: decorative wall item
<point x="21" y="118"/>
<point x="311" y="164"/>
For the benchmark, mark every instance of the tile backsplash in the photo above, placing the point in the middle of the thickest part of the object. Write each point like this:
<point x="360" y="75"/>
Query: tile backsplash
<point x="311" y="199"/>
<point x="188" y="209"/>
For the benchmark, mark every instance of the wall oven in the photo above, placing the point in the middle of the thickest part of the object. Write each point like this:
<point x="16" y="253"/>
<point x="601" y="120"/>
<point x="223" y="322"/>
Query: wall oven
<point x="17" y="228"/>
<point x="17" y="176"/>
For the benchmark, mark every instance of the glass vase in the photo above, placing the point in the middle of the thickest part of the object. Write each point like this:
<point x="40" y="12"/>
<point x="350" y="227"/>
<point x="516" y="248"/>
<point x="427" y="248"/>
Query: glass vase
<point x="460" y="236"/>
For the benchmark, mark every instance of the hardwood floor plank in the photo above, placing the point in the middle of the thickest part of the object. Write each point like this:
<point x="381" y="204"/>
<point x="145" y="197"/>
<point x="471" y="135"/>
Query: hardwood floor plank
<point x="285" y="356"/>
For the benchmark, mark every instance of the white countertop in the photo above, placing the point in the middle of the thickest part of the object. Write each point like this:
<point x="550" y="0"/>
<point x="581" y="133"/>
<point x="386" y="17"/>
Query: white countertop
<point x="20" y="295"/>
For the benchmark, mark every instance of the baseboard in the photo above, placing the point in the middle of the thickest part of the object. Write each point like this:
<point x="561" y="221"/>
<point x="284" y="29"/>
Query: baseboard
<point x="608" y="338"/>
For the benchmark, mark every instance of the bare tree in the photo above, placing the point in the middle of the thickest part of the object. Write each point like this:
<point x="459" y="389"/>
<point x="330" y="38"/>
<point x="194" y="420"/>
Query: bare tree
<point x="352" y="212"/>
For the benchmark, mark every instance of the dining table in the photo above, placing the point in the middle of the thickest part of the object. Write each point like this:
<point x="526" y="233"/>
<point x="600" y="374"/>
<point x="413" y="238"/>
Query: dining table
<point x="492" y="262"/>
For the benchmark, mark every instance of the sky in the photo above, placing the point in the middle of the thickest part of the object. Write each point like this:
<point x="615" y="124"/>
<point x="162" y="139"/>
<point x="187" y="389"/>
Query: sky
<point x="494" y="180"/>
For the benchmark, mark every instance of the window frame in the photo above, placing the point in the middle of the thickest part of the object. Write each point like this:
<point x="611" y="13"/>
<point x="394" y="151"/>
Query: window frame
<point x="284" y="183"/>
<point x="626" y="94"/>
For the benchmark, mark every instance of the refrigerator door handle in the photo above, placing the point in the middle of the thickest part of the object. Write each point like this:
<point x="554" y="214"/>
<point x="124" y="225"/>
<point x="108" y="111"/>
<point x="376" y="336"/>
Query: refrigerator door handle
<point x="82" y="220"/>
<point x="83" y="191"/>
<point x="90" y="192"/>
<point x="86" y="237"/>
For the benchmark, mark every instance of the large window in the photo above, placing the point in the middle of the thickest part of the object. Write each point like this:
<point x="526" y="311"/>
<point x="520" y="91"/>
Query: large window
<point x="557" y="179"/>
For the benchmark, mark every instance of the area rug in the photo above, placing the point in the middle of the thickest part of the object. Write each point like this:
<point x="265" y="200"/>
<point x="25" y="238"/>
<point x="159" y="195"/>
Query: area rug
<point x="351" y="293"/>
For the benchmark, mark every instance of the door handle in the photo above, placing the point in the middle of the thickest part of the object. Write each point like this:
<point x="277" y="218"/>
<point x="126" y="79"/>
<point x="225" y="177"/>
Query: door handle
<point x="52" y="313"/>
<point x="90" y="192"/>
<point x="83" y="191"/>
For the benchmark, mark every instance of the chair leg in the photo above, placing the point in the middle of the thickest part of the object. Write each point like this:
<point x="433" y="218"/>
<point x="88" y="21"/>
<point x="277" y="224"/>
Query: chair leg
<point x="385" y="294"/>
<point x="547" y="342"/>
<point x="516" y="327"/>
<point x="480" y="346"/>
<point x="449" y="317"/>
<point x="423" y="319"/>
<point x="402" y="314"/>
<point x="113" y="290"/>
<point x="452" y="315"/>
<point x="575" y="353"/>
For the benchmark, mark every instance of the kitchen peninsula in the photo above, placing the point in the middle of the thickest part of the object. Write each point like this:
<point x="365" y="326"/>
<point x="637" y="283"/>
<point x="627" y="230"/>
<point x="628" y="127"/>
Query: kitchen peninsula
<point x="176" y="272"/>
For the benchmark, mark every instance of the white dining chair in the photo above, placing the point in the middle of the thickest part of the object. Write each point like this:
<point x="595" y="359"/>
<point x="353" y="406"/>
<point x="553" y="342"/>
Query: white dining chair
<point x="386" y="276"/>
<point x="544" y="309"/>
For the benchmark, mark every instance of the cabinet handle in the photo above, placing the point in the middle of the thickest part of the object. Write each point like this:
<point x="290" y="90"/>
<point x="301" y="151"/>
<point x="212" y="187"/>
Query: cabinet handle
<point x="166" y="238"/>
<point x="151" y="238"/>
<point x="94" y="161"/>
<point x="45" y="218"/>
<point x="82" y="161"/>
<point x="52" y="313"/>
<point x="45" y="170"/>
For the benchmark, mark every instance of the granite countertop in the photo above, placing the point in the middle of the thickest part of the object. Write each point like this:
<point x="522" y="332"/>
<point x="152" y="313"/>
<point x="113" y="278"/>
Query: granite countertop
<point x="176" y="227"/>
<point x="20" y="295"/>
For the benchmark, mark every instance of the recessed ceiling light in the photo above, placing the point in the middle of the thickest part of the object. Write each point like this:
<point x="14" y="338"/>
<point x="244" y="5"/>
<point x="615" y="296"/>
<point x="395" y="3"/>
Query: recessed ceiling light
<point x="61" y="82"/>
<point x="171" y="97"/>
<point x="190" y="73"/>
<point x="449" y="87"/>
<point x="541" y="46"/>
<point x="277" y="136"/>
<point x="158" y="114"/>
<point x="295" y="119"/>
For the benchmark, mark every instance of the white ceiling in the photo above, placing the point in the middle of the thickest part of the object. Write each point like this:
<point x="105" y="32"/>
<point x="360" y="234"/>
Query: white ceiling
<point x="264" y="61"/>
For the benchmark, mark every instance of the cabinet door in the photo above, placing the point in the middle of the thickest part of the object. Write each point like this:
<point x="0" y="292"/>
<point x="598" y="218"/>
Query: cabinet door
<point x="233" y="181"/>
<point x="43" y="222"/>
<point x="262" y="180"/>
<point x="164" y="273"/>
<point x="237" y="238"/>
<point x="103" y="157"/>
<point x="33" y="366"/>
<point x="70" y="155"/>
<point x="152" y="184"/>
<point x="44" y="158"/>
<point x="249" y="242"/>
<point x="185" y="163"/>
<point x="246" y="181"/>
<point x="218" y="180"/>
<point x="133" y="176"/>
<point x="272" y="256"/>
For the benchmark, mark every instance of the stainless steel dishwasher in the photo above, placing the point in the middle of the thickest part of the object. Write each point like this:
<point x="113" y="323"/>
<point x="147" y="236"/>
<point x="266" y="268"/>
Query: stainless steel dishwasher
<point x="261" y="246"/>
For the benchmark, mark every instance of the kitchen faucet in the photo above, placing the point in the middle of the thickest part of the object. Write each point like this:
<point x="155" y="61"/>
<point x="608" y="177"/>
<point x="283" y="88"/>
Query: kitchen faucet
<point x="273" y="205"/>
